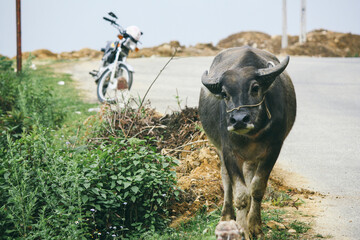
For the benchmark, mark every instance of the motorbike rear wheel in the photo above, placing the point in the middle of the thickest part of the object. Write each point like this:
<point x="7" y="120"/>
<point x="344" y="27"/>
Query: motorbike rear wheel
<point x="112" y="96"/>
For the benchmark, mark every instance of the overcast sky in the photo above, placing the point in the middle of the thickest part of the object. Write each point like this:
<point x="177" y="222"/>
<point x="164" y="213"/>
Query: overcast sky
<point x="67" y="25"/>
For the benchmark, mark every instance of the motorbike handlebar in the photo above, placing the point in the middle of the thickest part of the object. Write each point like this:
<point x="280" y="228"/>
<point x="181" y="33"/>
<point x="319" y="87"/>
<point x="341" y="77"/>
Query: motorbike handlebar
<point x="117" y="26"/>
<point x="107" y="19"/>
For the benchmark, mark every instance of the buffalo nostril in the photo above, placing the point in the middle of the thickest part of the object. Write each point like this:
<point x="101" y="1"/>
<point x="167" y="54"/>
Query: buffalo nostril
<point x="246" y="119"/>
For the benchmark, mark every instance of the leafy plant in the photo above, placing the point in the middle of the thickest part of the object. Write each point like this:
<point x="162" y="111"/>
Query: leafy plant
<point x="26" y="100"/>
<point x="200" y="227"/>
<point x="120" y="186"/>
<point x="5" y="64"/>
<point x="128" y="185"/>
<point x="40" y="191"/>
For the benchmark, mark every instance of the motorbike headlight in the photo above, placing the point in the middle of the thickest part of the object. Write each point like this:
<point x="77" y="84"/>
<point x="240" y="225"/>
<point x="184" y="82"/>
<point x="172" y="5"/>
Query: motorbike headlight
<point x="130" y="44"/>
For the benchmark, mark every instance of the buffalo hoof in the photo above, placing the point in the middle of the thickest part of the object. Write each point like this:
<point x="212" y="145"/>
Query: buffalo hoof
<point x="229" y="230"/>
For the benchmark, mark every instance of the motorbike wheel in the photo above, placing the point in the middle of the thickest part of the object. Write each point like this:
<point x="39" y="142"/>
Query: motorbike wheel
<point x="112" y="96"/>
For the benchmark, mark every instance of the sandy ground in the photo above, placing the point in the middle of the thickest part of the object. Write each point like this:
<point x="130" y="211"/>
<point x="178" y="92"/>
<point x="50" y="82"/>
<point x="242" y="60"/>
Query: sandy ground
<point x="320" y="154"/>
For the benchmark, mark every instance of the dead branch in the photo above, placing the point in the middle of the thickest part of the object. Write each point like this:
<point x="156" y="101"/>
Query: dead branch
<point x="147" y="91"/>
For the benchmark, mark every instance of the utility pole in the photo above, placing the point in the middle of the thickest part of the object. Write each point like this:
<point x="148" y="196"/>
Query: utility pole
<point x="302" y="37"/>
<point x="18" y="36"/>
<point x="284" y="40"/>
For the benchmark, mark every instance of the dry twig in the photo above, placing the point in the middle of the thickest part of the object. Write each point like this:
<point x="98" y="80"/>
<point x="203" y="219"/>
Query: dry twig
<point x="147" y="91"/>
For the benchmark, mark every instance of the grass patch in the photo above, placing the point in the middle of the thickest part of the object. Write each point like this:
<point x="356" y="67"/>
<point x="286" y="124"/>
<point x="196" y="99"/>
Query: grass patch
<point x="203" y="224"/>
<point x="300" y="227"/>
<point x="200" y="227"/>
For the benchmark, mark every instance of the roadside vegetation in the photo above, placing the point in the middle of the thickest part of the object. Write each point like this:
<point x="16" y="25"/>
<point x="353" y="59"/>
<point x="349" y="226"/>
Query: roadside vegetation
<point x="66" y="173"/>
<point x="54" y="184"/>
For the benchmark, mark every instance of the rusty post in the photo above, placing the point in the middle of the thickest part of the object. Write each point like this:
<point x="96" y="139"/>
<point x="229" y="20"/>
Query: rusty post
<point x="18" y="36"/>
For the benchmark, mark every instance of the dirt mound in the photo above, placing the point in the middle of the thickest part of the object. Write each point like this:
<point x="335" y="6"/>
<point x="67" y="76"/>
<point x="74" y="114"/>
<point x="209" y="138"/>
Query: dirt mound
<point x="40" y="54"/>
<point x="47" y="54"/>
<point x="83" y="53"/>
<point x="320" y="43"/>
<point x="253" y="39"/>
<point x="323" y="43"/>
<point x="167" y="49"/>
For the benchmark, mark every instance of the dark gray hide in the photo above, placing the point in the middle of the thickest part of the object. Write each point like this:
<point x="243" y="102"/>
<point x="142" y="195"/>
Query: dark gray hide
<point x="249" y="138"/>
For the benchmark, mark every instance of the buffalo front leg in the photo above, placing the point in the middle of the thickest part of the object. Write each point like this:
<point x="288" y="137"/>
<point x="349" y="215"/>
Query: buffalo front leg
<point x="257" y="191"/>
<point x="227" y="213"/>
<point x="242" y="204"/>
<point x="258" y="188"/>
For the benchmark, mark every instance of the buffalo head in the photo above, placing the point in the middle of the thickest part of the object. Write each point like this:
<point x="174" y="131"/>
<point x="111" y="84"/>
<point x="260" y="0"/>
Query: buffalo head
<point x="243" y="91"/>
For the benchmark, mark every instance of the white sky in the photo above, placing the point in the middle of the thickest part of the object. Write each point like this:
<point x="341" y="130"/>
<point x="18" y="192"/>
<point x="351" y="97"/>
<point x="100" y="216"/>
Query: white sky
<point x="67" y="25"/>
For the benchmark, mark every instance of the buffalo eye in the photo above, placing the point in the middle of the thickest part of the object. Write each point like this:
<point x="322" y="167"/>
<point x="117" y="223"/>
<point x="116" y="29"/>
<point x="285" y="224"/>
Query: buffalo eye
<point x="224" y="95"/>
<point x="255" y="88"/>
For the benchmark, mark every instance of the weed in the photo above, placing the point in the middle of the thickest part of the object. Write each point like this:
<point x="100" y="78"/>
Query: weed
<point x="300" y="227"/>
<point x="178" y="100"/>
<point x="272" y="215"/>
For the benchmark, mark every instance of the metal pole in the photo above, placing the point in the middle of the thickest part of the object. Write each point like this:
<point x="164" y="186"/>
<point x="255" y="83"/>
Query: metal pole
<point x="18" y="36"/>
<point x="302" y="37"/>
<point x="284" y="40"/>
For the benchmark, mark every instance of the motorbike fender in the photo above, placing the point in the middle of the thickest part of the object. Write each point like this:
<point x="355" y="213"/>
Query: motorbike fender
<point x="130" y="68"/>
<point x="110" y="67"/>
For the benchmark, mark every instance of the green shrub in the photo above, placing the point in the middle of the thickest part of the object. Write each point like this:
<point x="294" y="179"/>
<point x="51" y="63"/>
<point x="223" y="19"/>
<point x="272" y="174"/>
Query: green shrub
<point x="26" y="101"/>
<point x="5" y="64"/>
<point x="128" y="186"/>
<point x="118" y="188"/>
<point x="39" y="191"/>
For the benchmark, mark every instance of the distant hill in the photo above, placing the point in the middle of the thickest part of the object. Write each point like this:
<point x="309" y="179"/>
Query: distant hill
<point x="320" y="43"/>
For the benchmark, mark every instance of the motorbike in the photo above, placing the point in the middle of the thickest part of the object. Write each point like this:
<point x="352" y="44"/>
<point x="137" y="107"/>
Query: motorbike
<point x="115" y="76"/>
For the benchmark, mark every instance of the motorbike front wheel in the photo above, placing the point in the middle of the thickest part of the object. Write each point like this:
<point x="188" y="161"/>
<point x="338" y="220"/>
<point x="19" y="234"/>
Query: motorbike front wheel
<point x="112" y="96"/>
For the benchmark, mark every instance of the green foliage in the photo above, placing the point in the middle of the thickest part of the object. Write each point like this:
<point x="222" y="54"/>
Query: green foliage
<point x="76" y="192"/>
<point x="277" y="216"/>
<point x="272" y="215"/>
<point x="281" y="199"/>
<point x="39" y="191"/>
<point x="128" y="186"/>
<point x="5" y="64"/>
<point x="203" y="224"/>
<point x="8" y="87"/>
<point x="200" y="227"/>
<point x="26" y="100"/>
<point x="300" y="227"/>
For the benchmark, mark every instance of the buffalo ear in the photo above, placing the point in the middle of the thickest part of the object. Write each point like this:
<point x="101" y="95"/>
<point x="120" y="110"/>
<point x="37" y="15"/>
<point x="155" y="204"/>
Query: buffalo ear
<point x="213" y="85"/>
<point x="266" y="76"/>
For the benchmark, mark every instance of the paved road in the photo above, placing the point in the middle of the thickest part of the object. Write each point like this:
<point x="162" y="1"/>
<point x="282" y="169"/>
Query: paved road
<point x="324" y="145"/>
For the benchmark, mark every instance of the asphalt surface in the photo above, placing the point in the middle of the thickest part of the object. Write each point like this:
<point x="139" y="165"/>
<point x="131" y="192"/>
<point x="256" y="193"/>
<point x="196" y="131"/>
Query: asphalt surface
<point x="324" y="145"/>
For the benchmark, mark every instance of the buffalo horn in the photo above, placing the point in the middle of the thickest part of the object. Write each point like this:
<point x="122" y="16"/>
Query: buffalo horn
<point x="213" y="86"/>
<point x="272" y="72"/>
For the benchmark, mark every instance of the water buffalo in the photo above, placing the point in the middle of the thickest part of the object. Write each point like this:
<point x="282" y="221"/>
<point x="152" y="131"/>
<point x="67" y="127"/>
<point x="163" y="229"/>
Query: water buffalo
<point x="247" y="108"/>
